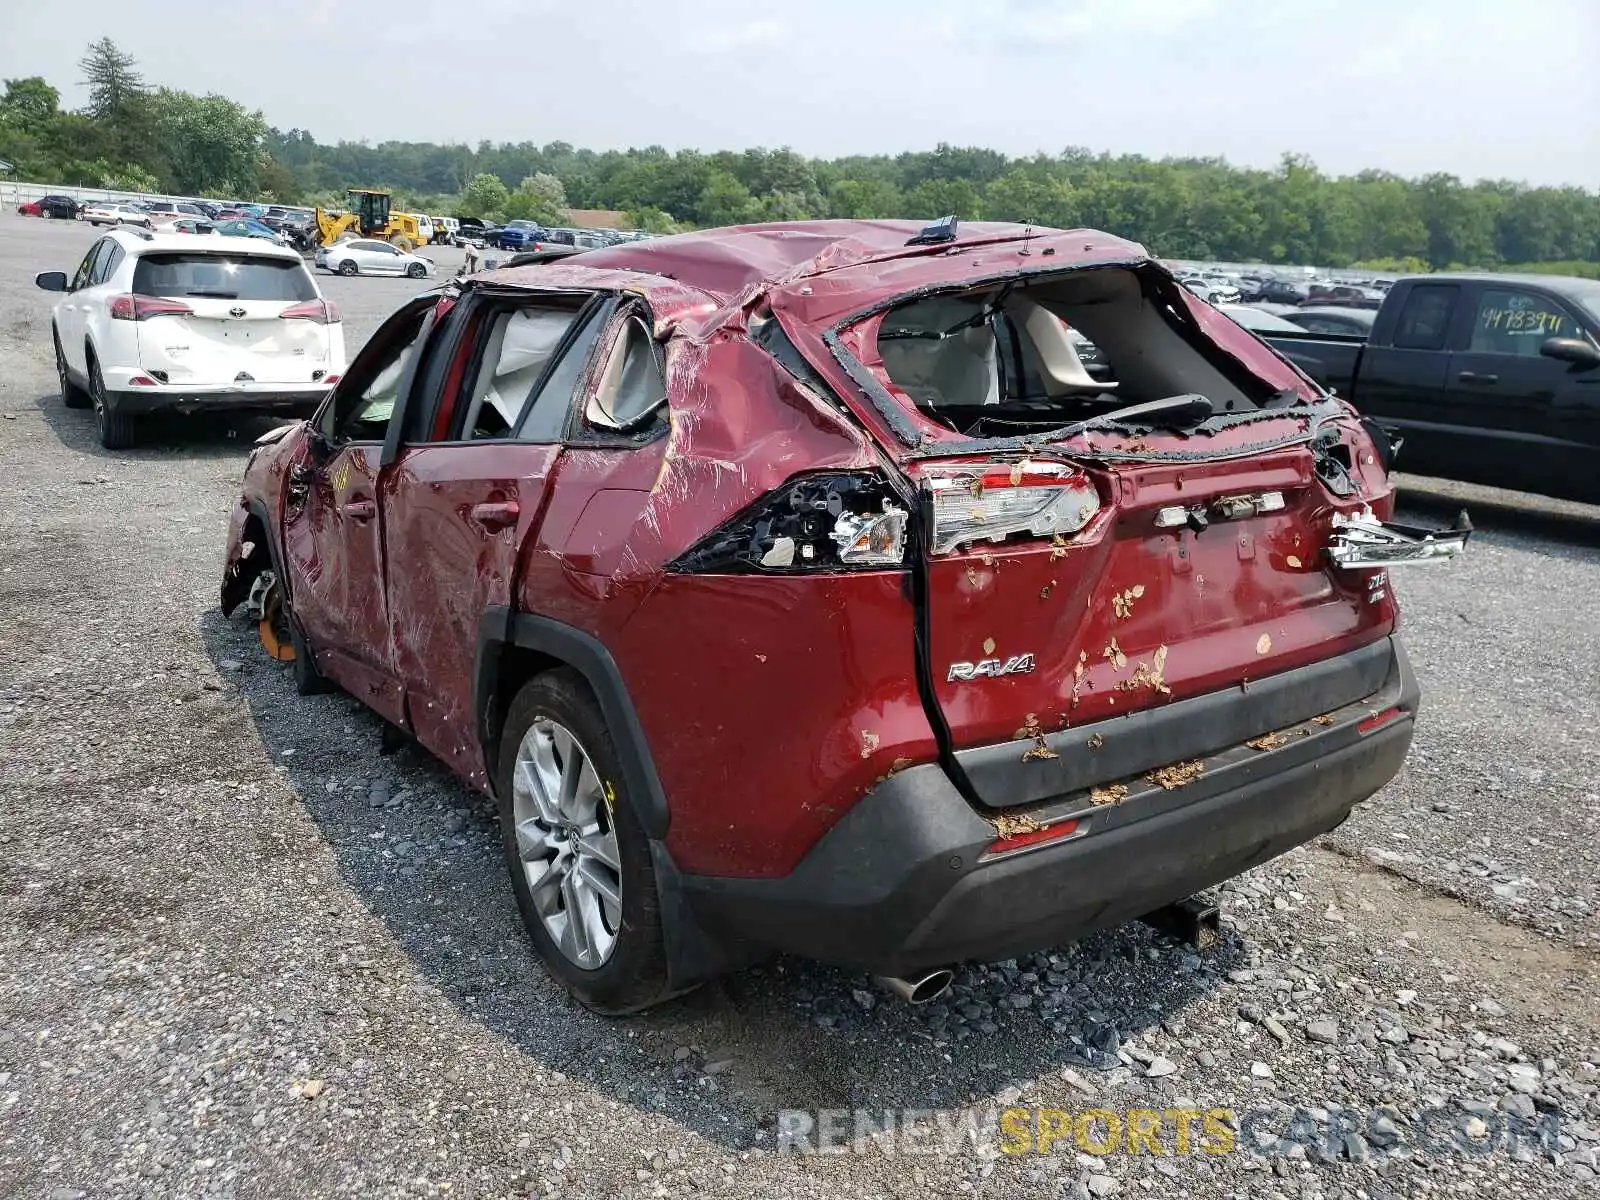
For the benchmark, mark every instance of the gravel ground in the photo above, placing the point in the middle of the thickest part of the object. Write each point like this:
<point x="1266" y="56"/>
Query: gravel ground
<point x="242" y="954"/>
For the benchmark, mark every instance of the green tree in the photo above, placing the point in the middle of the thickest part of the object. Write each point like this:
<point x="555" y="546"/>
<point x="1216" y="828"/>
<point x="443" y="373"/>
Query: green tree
<point x="130" y="177"/>
<point x="724" y="201"/>
<point x="652" y="220"/>
<point x="1460" y="231"/>
<point x="864" y="198"/>
<point x="484" y="196"/>
<point x="29" y="103"/>
<point x="1031" y="196"/>
<point x="936" y="198"/>
<point x="112" y="78"/>
<point x="538" y="198"/>
<point x="213" y="145"/>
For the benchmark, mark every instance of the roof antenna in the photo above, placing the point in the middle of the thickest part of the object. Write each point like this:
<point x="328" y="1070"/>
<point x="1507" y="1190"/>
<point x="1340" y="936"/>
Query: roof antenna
<point x="1027" y="236"/>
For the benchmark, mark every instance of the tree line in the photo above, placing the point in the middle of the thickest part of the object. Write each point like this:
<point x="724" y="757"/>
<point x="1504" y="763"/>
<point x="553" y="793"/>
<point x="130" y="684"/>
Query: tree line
<point x="131" y="135"/>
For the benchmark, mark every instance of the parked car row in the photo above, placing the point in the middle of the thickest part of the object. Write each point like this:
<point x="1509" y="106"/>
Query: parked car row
<point x="530" y="235"/>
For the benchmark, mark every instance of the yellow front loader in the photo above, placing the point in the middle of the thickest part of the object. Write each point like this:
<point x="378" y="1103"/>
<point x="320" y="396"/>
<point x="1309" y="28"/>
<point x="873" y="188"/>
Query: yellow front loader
<point x="369" y="216"/>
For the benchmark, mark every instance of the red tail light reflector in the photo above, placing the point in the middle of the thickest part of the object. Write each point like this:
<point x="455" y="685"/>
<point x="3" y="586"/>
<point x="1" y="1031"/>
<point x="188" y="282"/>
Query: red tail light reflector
<point x="1368" y="724"/>
<point x="1060" y="831"/>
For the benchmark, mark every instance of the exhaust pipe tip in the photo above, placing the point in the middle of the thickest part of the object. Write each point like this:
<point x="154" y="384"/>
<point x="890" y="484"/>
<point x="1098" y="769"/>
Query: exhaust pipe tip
<point x="921" y="988"/>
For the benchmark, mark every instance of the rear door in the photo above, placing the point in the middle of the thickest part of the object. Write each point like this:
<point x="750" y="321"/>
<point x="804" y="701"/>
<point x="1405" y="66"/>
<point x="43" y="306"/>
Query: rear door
<point x="1503" y="391"/>
<point x="385" y="259"/>
<point x="332" y="537"/>
<point x="236" y="319"/>
<point x="465" y="492"/>
<point x="72" y="314"/>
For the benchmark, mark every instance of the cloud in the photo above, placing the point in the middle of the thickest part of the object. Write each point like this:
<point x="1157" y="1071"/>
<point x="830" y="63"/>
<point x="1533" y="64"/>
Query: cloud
<point x="751" y="35"/>
<point x="1044" y="24"/>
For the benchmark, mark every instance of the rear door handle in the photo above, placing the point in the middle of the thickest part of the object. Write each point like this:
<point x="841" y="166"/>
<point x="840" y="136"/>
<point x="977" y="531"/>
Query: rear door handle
<point x="496" y="515"/>
<point x="1474" y="377"/>
<point x="360" y="510"/>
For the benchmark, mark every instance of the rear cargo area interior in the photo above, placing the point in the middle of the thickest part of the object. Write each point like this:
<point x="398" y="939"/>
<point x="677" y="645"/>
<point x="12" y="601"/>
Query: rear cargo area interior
<point x="1008" y="357"/>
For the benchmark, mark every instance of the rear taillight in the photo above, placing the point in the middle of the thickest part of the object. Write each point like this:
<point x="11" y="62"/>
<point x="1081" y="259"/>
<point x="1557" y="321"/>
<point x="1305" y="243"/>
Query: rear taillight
<point x="134" y="307"/>
<point x="990" y="502"/>
<point x="823" y="522"/>
<point x="322" y="312"/>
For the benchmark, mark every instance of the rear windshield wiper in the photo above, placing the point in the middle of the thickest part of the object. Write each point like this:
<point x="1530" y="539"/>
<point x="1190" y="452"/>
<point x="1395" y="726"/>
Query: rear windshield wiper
<point x="214" y="293"/>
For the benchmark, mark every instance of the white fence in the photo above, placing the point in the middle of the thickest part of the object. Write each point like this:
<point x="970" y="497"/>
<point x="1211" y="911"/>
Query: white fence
<point x="13" y="193"/>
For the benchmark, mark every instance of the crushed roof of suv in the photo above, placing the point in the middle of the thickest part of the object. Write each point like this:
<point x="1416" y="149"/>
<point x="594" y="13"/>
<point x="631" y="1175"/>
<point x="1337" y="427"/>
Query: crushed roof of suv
<point x="724" y="262"/>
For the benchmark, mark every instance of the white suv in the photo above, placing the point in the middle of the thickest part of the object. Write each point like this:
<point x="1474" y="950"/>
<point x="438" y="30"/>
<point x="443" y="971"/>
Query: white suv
<point x="165" y="321"/>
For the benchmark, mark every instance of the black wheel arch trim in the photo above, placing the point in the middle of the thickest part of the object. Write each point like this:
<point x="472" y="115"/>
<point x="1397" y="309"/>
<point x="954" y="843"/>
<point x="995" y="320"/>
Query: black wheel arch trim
<point x="258" y="509"/>
<point x="692" y="955"/>
<point x="500" y="627"/>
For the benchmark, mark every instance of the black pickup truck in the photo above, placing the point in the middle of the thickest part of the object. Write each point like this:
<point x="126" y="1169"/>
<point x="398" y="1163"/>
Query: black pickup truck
<point x="1492" y="379"/>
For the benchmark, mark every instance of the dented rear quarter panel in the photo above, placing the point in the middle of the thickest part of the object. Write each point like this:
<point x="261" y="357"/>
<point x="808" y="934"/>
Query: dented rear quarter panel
<point x="770" y="704"/>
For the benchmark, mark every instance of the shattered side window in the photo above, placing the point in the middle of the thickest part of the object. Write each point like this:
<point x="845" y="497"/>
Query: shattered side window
<point x="368" y="417"/>
<point x="518" y="350"/>
<point x="942" y="352"/>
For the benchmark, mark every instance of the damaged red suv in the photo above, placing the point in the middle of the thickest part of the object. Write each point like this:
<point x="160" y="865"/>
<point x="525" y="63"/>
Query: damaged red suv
<point x="815" y="588"/>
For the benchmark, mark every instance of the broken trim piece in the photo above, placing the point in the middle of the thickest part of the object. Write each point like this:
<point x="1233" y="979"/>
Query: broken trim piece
<point x="1361" y="540"/>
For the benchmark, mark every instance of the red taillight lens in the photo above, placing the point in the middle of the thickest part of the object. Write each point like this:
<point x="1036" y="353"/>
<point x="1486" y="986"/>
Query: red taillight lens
<point x="992" y="501"/>
<point x="322" y="312"/>
<point x="331" y="380"/>
<point x="133" y="307"/>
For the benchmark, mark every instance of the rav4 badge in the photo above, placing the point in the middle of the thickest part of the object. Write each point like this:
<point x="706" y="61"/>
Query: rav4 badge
<point x="990" y="668"/>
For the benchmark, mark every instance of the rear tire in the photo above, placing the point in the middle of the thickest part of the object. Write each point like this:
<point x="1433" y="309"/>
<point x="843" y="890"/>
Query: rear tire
<point x="118" y="430"/>
<point x="348" y="267"/>
<point x="632" y="972"/>
<point x="401" y="242"/>
<point x="72" y="396"/>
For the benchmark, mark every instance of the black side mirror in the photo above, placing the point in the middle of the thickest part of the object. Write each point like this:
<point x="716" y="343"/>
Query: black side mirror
<point x="1576" y="351"/>
<point x="51" y="281"/>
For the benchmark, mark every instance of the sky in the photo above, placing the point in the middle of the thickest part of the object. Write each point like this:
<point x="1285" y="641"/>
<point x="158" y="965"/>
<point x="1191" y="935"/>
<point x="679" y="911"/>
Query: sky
<point x="1495" y="90"/>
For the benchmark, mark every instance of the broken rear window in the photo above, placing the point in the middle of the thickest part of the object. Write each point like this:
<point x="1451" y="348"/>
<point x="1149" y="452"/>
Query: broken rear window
<point x="1008" y="358"/>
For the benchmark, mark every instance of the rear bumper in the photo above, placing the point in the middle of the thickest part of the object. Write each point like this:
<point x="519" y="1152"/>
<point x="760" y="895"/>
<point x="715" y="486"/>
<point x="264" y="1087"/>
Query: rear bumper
<point x="905" y="881"/>
<point x="260" y="398"/>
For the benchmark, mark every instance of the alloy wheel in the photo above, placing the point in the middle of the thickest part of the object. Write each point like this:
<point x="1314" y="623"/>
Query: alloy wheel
<point x="567" y="843"/>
